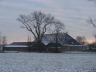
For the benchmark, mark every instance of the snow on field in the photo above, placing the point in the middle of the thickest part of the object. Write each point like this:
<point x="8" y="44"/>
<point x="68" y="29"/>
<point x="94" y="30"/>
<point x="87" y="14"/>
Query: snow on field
<point x="47" y="62"/>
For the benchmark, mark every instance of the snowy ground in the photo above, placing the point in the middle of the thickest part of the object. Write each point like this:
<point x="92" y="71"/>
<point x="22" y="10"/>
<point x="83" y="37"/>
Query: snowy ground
<point x="47" y="62"/>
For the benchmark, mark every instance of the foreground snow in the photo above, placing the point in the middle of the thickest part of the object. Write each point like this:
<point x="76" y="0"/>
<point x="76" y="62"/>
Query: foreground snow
<point x="47" y="62"/>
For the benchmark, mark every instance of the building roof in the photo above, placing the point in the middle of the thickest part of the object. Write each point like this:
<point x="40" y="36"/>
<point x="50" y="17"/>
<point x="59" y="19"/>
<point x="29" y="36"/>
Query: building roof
<point x="19" y="43"/>
<point x="63" y="38"/>
<point x="20" y="46"/>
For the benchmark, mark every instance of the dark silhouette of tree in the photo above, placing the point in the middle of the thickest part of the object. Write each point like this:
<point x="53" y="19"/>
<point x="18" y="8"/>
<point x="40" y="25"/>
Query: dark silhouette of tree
<point x="95" y="37"/>
<point x="81" y="39"/>
<point x="92" y="22"/>
<point x="38" y="24"/>
<point x="58" y="28"/>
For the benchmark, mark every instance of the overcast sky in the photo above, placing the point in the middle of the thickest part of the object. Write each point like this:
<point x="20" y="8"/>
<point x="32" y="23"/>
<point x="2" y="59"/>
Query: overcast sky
<point x="73" y="13"/>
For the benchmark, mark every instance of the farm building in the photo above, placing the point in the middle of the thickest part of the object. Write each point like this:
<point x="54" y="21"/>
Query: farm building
<point x="65" y="42"/>
<point x="63" y="39"/>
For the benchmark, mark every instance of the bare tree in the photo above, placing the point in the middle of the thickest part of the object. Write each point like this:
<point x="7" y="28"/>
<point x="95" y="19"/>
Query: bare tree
<point x="92" y="22"/>
<point x="58" y="28"/>
<point x="37" y="23"/>
<point x="95" y="38"/>
<point x="81" y="39"/>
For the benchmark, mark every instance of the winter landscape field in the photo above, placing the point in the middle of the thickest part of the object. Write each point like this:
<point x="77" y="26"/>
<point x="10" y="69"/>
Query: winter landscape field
<point x="48" y="62"/>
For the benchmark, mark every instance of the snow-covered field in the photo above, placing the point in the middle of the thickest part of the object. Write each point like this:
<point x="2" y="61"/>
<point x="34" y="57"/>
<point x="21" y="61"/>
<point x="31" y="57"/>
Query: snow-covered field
<point x="47" y="62"/>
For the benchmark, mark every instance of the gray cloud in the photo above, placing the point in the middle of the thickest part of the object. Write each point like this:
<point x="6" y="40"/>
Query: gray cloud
<point x="92" y="0"/>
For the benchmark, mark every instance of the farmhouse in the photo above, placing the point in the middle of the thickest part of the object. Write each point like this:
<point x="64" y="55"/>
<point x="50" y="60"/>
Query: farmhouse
<point x="63" y="39"/>
<point x="65" y="42"/>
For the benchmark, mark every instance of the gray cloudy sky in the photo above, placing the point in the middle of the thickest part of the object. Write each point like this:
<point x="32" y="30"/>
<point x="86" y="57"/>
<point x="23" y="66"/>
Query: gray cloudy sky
<point x="73" y="13"/>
